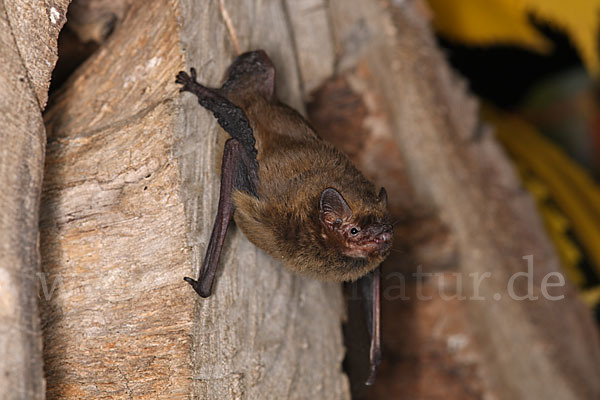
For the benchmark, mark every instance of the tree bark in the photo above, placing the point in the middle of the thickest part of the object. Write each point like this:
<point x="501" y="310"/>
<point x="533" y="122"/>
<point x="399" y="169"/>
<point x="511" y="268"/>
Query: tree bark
<point x="29" y="30"/>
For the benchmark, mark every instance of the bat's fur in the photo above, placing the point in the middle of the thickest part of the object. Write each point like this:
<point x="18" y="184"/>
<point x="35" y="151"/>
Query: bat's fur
<point x="294" y="168"/>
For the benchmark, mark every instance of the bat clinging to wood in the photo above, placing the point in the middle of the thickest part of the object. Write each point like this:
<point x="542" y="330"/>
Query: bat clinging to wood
<point x="294" y="195"/>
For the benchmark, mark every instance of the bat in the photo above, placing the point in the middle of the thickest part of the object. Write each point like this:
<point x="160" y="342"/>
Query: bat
<point x="292" y="194"/>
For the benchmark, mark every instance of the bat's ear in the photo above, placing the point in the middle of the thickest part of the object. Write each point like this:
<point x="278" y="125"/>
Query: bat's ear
<point x="333" y="208"/>
<point x="382" y="196"/>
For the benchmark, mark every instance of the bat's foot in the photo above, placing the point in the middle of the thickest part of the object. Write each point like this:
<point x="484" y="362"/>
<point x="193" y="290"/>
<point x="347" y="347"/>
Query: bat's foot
<point x="198" y="287"/>
<point x="189" y="82"/>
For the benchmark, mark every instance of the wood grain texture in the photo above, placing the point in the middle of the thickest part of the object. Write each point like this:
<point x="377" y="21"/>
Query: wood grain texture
<point x="129" y="199"/>
<point x="533" y="349"/>
<point x="312" y="41"/>
<point x="430" y="352"/>
<point x="116" y="318"/>
<point x="272" y="334"/>
<point x="35" y="26"/>
<point x="27" y="55"/>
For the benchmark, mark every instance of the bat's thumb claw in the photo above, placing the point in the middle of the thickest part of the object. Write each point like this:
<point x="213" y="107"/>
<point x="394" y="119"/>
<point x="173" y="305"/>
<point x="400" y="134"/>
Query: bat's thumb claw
<point x="202" y="292"/>
<point x="190" y="281"/>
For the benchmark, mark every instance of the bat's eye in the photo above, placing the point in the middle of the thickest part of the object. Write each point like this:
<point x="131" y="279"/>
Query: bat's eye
<point x="354" y="231"/>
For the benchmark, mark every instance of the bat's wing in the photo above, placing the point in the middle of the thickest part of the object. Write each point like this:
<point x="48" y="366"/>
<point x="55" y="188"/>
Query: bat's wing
<point x="232" y="167"/>
<point x="239" y="171"/>
<point x="231" y="117"/>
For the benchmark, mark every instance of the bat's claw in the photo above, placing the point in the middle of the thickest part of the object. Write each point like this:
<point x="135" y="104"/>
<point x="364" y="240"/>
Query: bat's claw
<point x="182" y="77"/>
<point x="188" y="82"/>
<point x="202" y="291"/>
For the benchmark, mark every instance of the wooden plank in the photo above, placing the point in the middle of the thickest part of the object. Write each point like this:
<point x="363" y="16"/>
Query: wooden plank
<point x="533" y="349"/>
<point x="29" y="31"/>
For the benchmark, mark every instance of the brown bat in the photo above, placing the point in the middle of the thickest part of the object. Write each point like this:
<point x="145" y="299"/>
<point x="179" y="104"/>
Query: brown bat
<point x="294" y="195"/>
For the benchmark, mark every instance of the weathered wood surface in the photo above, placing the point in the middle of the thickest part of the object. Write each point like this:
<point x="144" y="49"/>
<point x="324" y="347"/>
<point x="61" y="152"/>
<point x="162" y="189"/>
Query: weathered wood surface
<point x="32" y="29"/>
<point x="131" y="189"/>
<point x="28" y="31"/>
<point x="129" y="199"/>
<point x="530" y="349"/>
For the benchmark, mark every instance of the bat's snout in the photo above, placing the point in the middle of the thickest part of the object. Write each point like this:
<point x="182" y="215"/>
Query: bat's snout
<point x="384" y="237"/>
<point x="384" y="234"/>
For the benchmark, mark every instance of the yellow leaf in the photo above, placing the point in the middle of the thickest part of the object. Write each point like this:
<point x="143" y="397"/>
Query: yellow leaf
<point x="591" y="296"/>
<point x="494" y="22"/>
<point x="579" y="18"/>
<point x="569" y="186"/>
<point x="485" y="22"/>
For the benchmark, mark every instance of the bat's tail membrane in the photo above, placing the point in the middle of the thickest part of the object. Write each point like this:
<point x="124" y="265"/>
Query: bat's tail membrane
<point x="371" y="287"/>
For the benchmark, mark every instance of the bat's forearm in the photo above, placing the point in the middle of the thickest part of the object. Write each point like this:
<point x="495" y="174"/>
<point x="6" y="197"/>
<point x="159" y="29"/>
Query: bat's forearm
<point x="232" y="159"/>
<point x="231" y="118"/>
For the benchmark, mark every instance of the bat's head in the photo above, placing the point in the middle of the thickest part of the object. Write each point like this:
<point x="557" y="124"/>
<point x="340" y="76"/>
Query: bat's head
<point x="363" y="232"/>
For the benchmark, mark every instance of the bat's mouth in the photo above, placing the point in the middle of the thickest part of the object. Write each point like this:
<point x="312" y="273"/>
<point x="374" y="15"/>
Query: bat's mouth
<point x="372" y="246"/>
<point x="380" y="244"/>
